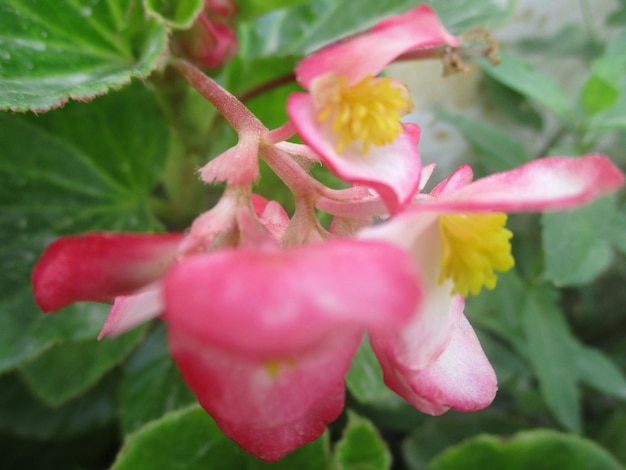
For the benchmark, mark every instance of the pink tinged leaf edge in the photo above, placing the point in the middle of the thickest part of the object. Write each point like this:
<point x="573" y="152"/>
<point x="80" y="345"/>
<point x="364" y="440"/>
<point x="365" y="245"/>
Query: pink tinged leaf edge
<point x="392" y="170"/>
<point x="370" y="52"/>
<point x="550" y="183"/>
<point x="269" y="408"/>
<point x="100" y="266"/>
<point x="276" y="302"/>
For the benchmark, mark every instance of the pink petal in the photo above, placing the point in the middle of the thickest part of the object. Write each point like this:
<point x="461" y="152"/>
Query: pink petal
<point x="543" y="184"/>
<point x="460" y="378"/>
<point x="272" y="215"/>
<point x="392" y="170"/>
<point x="272" y="303"/>
<point x="424" y="337"/>
<point x="128" y="311"/>
<point x="100" y="266"/>
<point x="462" y="176"/>
<point x="268" y="408"/>
<point x="427" y="172"/>
<point x="207" y="228"/>
<point x="370" y="52"/>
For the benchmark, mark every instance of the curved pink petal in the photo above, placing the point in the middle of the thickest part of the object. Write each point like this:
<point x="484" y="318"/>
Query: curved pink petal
<point x="424" y="337"/>
<point x="461" y="378"/>
<point x="268" y="408"/>
<point x="128" y="311"/>
<point x="100" y="266"/>
<point x="392" y="170"/>
<point x="543" y="184"/>
<point x="272" y="303"/>
<point x="462" y="176"/>
<point x="418" y="358"/>
<point x="370" y="52"/>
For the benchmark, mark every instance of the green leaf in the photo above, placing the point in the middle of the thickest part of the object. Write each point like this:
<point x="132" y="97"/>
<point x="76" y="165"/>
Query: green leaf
<point x="51" y="51"/>
<point x="80" y="168"/>
<point x="67" y="370"/>
<point x="22" y="414"/>
<point x="365" y="379"/>
<point x="151" y="372"/>
<point x="361" y="447"/>
<point x="598" y="94"/>
<point x="550" y="351"/>
<point x="178" y="14"/>
<point x="613" y="434"/>
<point x="598" y="370"/>
<point x="495" y="148"/>
<point x="613" y="118"/>
<point x="602" y="88"/>
<point x="577" y="242"/>
<point x="499" y="310"/>
<point x="191" y="440"/>
<point x="249" y="9"/>
<point x="521" y="77"/>
<point x="442" y="432"/>
<point x="539" y="450"/>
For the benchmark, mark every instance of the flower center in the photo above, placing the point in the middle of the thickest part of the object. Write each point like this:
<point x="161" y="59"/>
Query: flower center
<point x="368" y="112"/>
<point x="473" y="247"/>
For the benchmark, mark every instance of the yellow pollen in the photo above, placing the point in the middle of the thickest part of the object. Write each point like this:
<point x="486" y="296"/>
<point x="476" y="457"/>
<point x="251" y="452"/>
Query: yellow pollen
<point x="273" y="366"/>
<point x="473" y="247"/>
<point x="368" y="112"/>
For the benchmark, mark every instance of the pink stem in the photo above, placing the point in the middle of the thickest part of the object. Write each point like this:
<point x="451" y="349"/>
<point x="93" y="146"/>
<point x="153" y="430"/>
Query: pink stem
<point x="235" y="112"/>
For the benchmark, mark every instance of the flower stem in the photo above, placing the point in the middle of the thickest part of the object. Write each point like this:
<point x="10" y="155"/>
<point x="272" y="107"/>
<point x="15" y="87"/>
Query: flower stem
<point x="233" y="110"/>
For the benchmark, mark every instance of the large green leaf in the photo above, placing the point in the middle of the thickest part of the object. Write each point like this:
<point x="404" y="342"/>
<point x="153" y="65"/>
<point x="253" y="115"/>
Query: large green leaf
<point x="80" y="168"/>
<point x="191" y="440"/>
<point x="66" y="370"/>
<point x="539" y="450"/>
<point x="552" y="354"/>
<point x="22" y="414"/>
<point x="151" y="384"/>
<point x="52" y="51"/>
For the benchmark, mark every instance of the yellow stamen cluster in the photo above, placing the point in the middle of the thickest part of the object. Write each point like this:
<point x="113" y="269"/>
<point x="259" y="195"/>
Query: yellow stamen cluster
<point x="473" y="247"/>
<point x="368" y="112"/>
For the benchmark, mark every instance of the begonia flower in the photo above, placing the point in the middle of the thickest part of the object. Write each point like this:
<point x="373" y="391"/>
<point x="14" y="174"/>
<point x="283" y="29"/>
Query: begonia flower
<point x="264" y="339"/>
<point x="457" y="238"/>
<point x="351" y="118"/>
<point x="262" y="335"/>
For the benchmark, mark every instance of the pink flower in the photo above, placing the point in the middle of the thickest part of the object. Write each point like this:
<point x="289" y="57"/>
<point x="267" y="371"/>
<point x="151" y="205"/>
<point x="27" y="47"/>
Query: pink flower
<point x="351" y="118"/>
<point x="457" y="238"/>
<point x="265" y="338"/>
<point x="212" y="39"/>
<point x="262" y="335"/>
